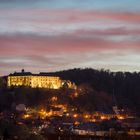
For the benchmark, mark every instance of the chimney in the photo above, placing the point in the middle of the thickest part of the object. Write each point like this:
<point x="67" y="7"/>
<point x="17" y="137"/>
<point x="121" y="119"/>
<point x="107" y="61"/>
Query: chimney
<point x="22" y="71"/>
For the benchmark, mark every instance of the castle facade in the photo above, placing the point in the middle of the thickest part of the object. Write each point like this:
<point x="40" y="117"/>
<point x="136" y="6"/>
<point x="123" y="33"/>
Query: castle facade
<point x="41" y="80"/>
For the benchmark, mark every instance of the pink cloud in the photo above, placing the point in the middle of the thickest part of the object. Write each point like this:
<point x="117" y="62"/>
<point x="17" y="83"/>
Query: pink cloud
<point x="109" y="32"/>
<point x="40" y="45"/>
<point x="64" y="38"/>
<point x="39" y="21"/>
<point x="70" y="15"/>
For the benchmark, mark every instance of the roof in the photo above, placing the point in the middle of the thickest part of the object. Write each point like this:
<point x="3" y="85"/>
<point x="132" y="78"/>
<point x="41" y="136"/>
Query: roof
<point x="21" y="74"/>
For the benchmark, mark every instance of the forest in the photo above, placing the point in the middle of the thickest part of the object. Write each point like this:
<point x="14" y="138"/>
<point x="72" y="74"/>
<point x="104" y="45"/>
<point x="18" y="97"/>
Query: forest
<point x="122" y="87"/>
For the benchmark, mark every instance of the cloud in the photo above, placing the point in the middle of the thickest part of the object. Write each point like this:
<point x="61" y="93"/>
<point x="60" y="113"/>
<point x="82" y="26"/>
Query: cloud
<point x="25" y="44"/>
<point x="51" y="22"/>
<point x="42" y="40"/>
<point x="41" y="53"/>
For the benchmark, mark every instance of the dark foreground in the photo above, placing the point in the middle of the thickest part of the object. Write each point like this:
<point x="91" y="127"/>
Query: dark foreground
<point x="75" y="137"/>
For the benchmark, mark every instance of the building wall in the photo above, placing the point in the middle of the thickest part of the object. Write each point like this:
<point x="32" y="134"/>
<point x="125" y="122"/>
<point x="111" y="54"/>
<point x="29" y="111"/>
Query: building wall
<point x="50" y="82"/>
<point x="46" y="82"/>
<point x="19" y="80"/>
<point x="69" y="84"/>
<point x="35" y="81"/>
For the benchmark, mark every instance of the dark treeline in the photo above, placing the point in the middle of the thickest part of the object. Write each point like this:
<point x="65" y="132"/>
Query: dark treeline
<point x="124" y="86"/>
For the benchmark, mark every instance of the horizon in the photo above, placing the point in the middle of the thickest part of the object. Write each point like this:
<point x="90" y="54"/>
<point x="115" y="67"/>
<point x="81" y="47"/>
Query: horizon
<point x="44" y="35"/>
<point x="38" y="72"/>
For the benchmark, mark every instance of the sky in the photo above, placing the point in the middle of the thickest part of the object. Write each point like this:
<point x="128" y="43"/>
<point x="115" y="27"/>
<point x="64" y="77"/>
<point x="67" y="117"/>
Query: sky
<point x="53" y="35"/>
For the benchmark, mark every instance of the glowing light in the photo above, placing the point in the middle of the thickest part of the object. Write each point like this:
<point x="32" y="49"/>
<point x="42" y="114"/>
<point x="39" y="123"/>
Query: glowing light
<point x="121" y="117"/>
<point x="87" y="116"/>
<point x="75" y="115"/>
<point x="43" y="113"/>
<point x="76" y="94"/>
<point x="54" y="99"/>
<point x="103" y="118"/>
<point x="67" y="114"/>
<point x="93" y="120"/>
<point x="20" y="123"/>
<point x="64" y="107"/>
<point x="76" y="123"/>
<point x="26" y="116"/>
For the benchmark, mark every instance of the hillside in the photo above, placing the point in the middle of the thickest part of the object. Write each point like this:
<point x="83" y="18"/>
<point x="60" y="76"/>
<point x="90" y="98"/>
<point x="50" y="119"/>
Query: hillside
<point x="124" y="85"/>
<point x="101" y="89"/>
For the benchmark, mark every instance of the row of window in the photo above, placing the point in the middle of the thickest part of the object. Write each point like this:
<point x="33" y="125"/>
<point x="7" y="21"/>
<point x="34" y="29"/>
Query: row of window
<point x="23" y="79"/>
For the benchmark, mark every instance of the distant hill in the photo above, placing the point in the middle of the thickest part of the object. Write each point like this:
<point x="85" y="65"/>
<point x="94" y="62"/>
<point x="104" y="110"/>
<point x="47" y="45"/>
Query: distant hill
<point x="124" y="85"/>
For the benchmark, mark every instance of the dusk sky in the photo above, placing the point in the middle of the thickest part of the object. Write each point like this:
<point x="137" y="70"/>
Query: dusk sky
<point x="52" y="35"/>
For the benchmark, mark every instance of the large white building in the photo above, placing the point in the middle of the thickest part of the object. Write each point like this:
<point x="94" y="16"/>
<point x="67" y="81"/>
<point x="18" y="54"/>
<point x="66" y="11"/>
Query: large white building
<point x="37" y="80"/>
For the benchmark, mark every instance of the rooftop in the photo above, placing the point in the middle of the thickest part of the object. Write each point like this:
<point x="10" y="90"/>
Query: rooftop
<point x="23" y="73"/>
